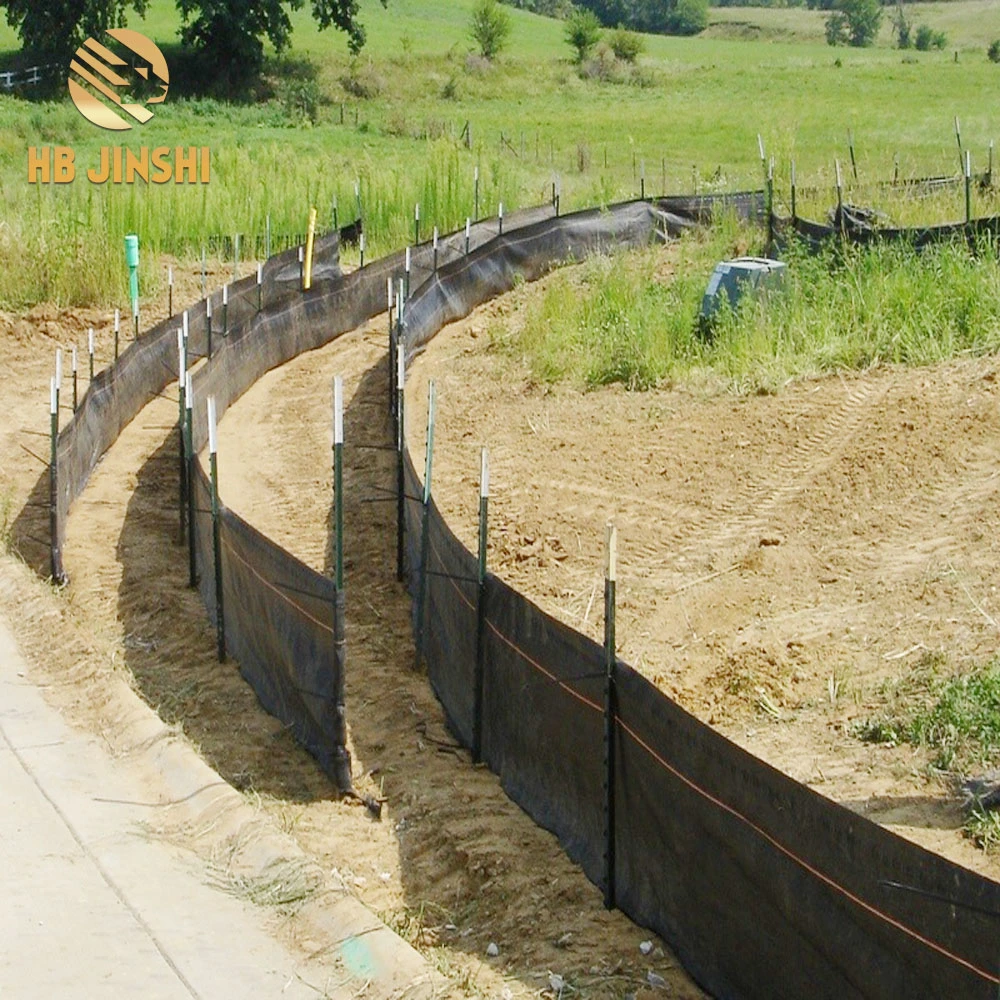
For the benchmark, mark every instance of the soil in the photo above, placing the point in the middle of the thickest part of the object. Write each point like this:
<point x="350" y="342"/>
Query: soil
<point x="781" y="557"/>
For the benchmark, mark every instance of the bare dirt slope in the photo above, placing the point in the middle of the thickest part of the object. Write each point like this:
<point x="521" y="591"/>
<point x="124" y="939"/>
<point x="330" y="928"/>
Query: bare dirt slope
<point x="781" y="556"/>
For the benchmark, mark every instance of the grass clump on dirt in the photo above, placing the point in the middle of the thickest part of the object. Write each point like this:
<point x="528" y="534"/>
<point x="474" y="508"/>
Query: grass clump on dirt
<point x="957" y="717"/>
<point x="632" y="318"/>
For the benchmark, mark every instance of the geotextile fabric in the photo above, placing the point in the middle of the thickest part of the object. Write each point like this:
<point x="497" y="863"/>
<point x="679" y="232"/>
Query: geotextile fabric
<point x="764" y="888"/>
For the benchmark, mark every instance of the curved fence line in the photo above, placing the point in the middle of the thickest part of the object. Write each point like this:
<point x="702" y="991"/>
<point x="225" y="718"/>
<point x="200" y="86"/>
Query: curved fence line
<point x="764" y="888"/>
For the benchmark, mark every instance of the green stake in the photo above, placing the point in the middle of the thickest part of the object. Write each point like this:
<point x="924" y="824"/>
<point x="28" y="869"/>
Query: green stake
<point x="213" y="447"/>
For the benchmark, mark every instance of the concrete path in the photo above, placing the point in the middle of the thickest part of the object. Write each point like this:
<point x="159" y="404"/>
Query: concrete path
<point x="91" y="906"/>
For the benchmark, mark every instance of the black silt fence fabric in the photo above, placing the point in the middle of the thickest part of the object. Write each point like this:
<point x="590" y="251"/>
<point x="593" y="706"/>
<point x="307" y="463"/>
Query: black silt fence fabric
<point x="764" y="888"/>
<point x="769" y="890"/>
<point x="542" y="723"/>
<point x="816" y="234"/>
<point x="147" y="366"/>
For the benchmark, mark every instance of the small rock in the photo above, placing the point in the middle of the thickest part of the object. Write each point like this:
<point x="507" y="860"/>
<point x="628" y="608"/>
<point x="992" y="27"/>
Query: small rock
<point x="556" y="983"/>
<point x="646" y="947"/>
<point x="655" y="980"/>
<point x="565" y="940"/>
<point x="769" y="542"/>
<point x="492" y="949"/>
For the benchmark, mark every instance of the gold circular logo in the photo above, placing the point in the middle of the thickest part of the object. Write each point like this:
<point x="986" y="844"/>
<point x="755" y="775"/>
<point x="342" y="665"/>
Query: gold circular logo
<point x="109" y="90"/>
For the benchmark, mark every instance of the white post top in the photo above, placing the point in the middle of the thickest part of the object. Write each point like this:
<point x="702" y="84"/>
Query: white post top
<point x="90" y="340"/>
<point x="500" y="210"/>
<point x="388" y="292"/>
<point x="181" y="358"/>
<point x="73" y="362"/>
<point x="839" y="179"/>
<point x="407" y="259"/>
<point x="400" y="367"/>
<point x="476" y="172"/>
<point x="760" y="145"/>
<point x="468" y="226"/>
<point x="118" y="320"/>
<point x="435" y="237"/>
<point x="361" y="242"/>
<point x="793" y="173"/>
<point x="52" y="396"/>
<point x="58" y="367"/>
<point x="170" y="274"/>
<point x="338" y="410"/>
<point x="416" y="211"/>
<point x="208" y="306"/>
<point x="225" y="295"/>
<point x="135" y="308"/>
<point x="968" y="164"/>
<point x="300" y="255"/>
<point x="184" y="323"/>
<point x="213" y="444"/>
<point x="188" y="392"/>
<point x="260" y="274"/>
<point x="484" y="474"/>
<point x="611" y="553"/>
<point x="357" y="189"/>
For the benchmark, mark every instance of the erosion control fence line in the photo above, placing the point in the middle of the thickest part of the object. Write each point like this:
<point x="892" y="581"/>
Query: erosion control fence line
<point x="764" y="888"/>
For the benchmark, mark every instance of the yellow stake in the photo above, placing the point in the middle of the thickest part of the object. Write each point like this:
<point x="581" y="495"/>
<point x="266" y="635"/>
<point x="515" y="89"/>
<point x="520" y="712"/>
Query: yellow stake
<point x="307" y="275"/>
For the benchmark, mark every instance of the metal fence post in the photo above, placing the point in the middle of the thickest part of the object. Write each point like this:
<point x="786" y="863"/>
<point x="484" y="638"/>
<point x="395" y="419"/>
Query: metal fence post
<point x="610" y="714"/>
<point x="424" y="526"/>
<point x="400" y="444"/>
<point x="213" y="448"/>
<point x="484" y="500"/>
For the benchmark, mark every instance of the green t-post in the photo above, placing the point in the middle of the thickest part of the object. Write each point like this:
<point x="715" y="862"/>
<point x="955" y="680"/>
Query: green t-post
<point x="132" y="260"/>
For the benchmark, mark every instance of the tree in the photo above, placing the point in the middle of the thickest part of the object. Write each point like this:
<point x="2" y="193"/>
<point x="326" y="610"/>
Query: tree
<point x="583" y="32"/>
<point x="993" y="52"/>
<point x="490" y="27"/>
<point x="232" y="34"/>
<point x="55" y="30"/>
<point x="688" y="17"/>
<point x="626" y="45"/>
<point x="854" y="22"/>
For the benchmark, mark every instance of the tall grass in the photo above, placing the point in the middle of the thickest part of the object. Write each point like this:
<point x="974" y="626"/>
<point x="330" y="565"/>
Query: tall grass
<point x="632" y="317"/>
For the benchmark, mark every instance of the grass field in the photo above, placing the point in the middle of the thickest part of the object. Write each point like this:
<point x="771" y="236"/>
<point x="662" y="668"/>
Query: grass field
<point x="690" y="121"/>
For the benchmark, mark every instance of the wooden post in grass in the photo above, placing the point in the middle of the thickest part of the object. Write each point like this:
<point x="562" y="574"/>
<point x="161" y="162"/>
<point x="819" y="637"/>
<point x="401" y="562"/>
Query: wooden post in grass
<point x="213" y="458"/>
<point x="73" y="363"/>
<point x="854" y="162"/>
<point x="958" y="139"/>
<point x="118" y="326"/>
<point x="338" y="481"/>
<point x="170" y="290"/>
<point x="425" y="525"/>
<point x="90" y="351"/>
<point x="190" y="459"/>
<point x="968" y="187"/>
<point x="181" y="423"/>
<point x="477" y="715"/>
<point x="610" y="713"/>
<point x="400" y="444"/>
<point x="307" y="278"/>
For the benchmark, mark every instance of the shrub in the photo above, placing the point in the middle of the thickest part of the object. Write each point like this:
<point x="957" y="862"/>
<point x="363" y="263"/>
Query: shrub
<point x="688" y="17"/>
<point x="903" y="28"/>
<point x="854" y="22"/>
<point x="626" y="45"/>
<point x="993" y="52"/>
<point x="490" y="27"/>
<point x="363" y="80"/>
<point x="583" y="32"/>
<point x="927" y="38"/>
